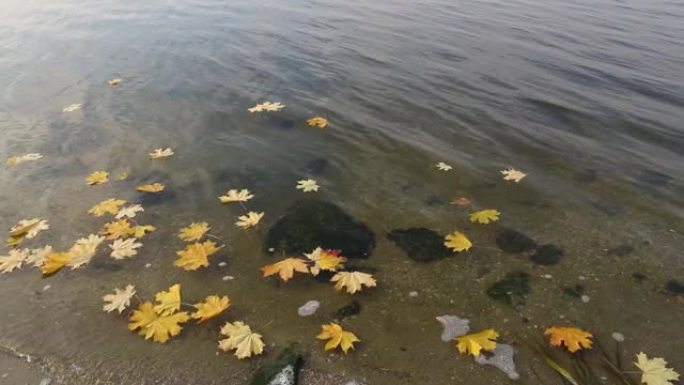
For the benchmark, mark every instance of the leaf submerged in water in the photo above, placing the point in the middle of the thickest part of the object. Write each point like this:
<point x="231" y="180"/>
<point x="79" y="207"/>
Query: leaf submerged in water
<point x="485" y="216"/>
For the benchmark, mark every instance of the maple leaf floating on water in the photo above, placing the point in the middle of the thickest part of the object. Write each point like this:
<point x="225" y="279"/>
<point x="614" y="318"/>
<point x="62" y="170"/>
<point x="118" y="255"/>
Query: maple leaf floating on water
<point x="266" y="106"/>
<point x="97" y="177"/>
<point x="37" y="256"/>
<point x="151" y="188"/>
<point x="72" y="107"/>
<point x="485" y="216"/>
<point x="250" y="220"/>
<point x="574" y="339"/>
<point x="236" y="196"/>
<point x="286" y="268"/>
<point x="159" y="153"/>
<point x="26" y="229"/>
<point x="124" y="248"/>
<point x="513" y="175"/>
<point x="443" y="166"/>
<point x="83" y="251"/>
<point x="129" y="211"/>
<point x="140" y="231"/>
<point x="156" y="326"/>
<point x="337" y="336"/>
<point x="317" y="121"/>
<point x="114" y="81"/>
<point x="194" y="232"/>
<point x="307" y="185"/>
<point x="54" y="262"/>
<point x="109" y="206"/>
<point x="15" y="160"/>
<point x="120" y="300"/>
<point x="329" y="260"/>
<point x="476" y="342"/>
<point x="353" y="281"/>
<point x="117" y="229"/>
<point x="13" y="260"/>
<point x="655" y="370"/>
<point x="168" y="302"/>
<point x="212" y="306"/>
<point x="195" y="255"/>
<point x="457" y="241"/>
<point x="241" y="339"/>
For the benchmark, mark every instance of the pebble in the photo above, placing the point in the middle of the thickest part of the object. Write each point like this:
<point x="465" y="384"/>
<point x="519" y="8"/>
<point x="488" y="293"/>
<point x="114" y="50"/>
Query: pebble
<point x="221" y="264"/>
<point x="228" y="278"/>
<point x="585" y="298"/>
<point x="352" y="382"/>
<point x="413" y="294"/>
<point x="617" y="336"/>
<point x="582" y="278"/>
<point x="308" y="308"/>
<point x="148" y="265"/>
<point x="547" y="276"/>
<point x="46" y="287"/>
<point x="45" y="381"/>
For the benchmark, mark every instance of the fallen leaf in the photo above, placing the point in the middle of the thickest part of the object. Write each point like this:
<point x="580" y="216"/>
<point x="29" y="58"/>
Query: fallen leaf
<point x="266" y="106"/>
<point x="212" y="306"/>
<point x="37" y="257"/>
<point x="317" y="121"/>
<point x="98" y="177"/>
<point x="457" y="241"/>
<point x="109" y="206"/>
<point x="476" y="342"/>
<point x="286" y="268"/>
<point x="29" y="228"/>
<point x="195" y="255"/>
<point x="15" y="160"/>
<point x="250" y="220"/>
<point x="158" y="327"/>
<point x="120" y="300"/>
<point x="13" y="260"/>
<point x="461" y="201"/>
<point x="337" y="336"/>
<point x="124" y="248"/>
<point x="129" y="211"/>
<point x="485" y="216"/>
<point x="72" y="107"/>
<point x="168" y="302"/>
<point x="114" y="81"/>
<point x="83" y="250"/>
<point x="194" y="232"/>
<point x="307" y="185"/>
<point x="513" y="174"/>
<point x="329" y="260"/>
<point x="151" y="188"/>
<point x="236" y="196"/>
<point x="353" y="281"/>
<point x="443" y="166"/>
<point x="574" y="339"/>
<point x="55" y="262"/>
<point x="241" y="338"/>
<point x="121" y="176"/>
<point x="141" y="230"/>
<point x="117" y="229"/>
<point x="655" y="370"/>
<point x="159" y="153"/>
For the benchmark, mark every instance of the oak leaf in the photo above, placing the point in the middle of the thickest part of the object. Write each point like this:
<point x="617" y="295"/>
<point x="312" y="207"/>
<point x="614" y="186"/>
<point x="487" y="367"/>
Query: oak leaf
<point x="317" y="121"/>
<point x="98" y="177"/>
<point x="195" y="255"/>
<point x="574" y="339"/>
<point x="236" y="196"/>
<point x="117" y="229"/>
<point x="654" y="371"/>
<point x="353" y="281"/>
<point x="307" y="185"/>
<point x="457" y="241"/>
<point x="286" y="268"/>
<point x="443" y="166"/>
<point x="241" y="339"/>
<point x="337" y="336"/>
<point x="151" y="188"/>
<point x="194" y="232"/>
<point x="54" y="262"/>
<point x="513" y="175"/>
<point x="485" y="216"/>
<point x="168" y="302"/>
<point x="212" y="306"/>
<point x="158" y="327"/>
<point x="329" y="260"/>
<point x="250" y="220"/>
<point x="13" y="260"/>
<point x="266" y="106"/>
<point x="140" y="230"/>
<point x="124" y="248"/>
<point x="474" y="343"/>
<point x="129" y="211"/>
<point x="23" y="158"/>
<point x="159" y="153"/>
<point x="109" y="206"/>
<point x="120" y="300"/>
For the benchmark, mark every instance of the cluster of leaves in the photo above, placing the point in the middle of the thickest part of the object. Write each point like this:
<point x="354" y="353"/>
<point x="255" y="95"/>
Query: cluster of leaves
<point x="196" y="254"/>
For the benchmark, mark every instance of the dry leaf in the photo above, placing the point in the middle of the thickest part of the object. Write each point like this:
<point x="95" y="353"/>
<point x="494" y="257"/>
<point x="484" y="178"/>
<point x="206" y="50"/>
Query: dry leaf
<point x="574" y="339"/>
<point x="140" y="231"/>
<point x="168" y="302"/>
<point x="513" y="174"/>
<point x="83" y="250"/>
<point x="13" y="260"/>
<point x="194" y="232"/>
<point x="158" y="327"/>
<point x="109" y="206"/>
<point x="117" y="229"/>
<point x="655" y="370"/>
<point x="161" y="153"/>
<point x="125" y="248"/>
<point x="443" y="166"/>
<point x="485" y="216"/>
<point x="317" y="121"/>
<point x="236" y="196"/>
<point x="250" y="220"/>
<point x="98" y="177"/>
<point x="286" y="268"/>
<point x="151" y="188"/>
<point x="329" y="260"/>
<point x="241" y="338"/>
<point x="37" y="257"/>
<point x="114" y="81"/>
<point x="15" y="160"/>
<point x="120" y="300"/>
<point x="28" y="228"/>
<point x="353" y="281"/>
<point x="337" y="336"/>
<point x="457" y="241"/>
<point x="266" y="106"/>
<point x="307" y="185"/>
<point x="476" y="342"/>
<point x="72" y="107"/>
<point x="129" y="211"/>
<point x="195" y="255"/>
<point x="55" y="262"/>
<point x="212" y="306"/>
<point x="121" y="176"/>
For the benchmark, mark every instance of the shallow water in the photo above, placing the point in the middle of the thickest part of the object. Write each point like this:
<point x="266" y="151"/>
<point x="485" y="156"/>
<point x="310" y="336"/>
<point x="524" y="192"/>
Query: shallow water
<point x="586" y="97"/>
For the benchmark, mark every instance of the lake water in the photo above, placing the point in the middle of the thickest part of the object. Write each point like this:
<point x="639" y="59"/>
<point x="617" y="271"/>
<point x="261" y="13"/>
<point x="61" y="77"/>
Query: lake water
<point x="586" y="97"/>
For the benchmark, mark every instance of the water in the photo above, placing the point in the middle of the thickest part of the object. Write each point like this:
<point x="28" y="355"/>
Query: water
<point x="586" y="97"/>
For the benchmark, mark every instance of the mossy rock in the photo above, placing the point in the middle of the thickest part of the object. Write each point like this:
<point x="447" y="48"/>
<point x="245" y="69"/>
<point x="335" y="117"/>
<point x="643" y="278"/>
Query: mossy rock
<point x="310" y="224"/>
<point x="512" y="289"/>
<point x="420" y="244"/>
<point x="512" y="241"/>
<point x="283" y="371"/>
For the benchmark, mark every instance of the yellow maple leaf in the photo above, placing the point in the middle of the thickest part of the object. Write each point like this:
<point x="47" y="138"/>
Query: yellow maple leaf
<point x="317" y="121"/>
<point x="117" y="229"/>
<point x="29" y="227"/>
<point x="307" y="185"/>
<point x="124" y="248"/>
<point x="574" y="339"/>
<point x="98" y="177"/>
<point x="241" y="338"/>
<point x="329" y="260"/>
<point x="37" y="257"/>
<point x="194" y="232"/>
<point x="655" y="370"/>
<point x="141" y="230"/>
<point x="337" y="336"/>
<point x="168" y="302"/>
<point x="250" y="220"/>
<point x="485" y="216"/>
<point x="83" y="250"/>
<point x="234" y="195"/>
<point x="353" y="281"/>
<point x="120" y="300"/>
<point x="212" y="306"/>
<point x="513" y="175"/>
<point x="114" y="81"/>
<point x="54" y="262"/>
<point x="266" y="106"/>
<point x="151" y="188"/>
<point x="158" y="327"/>
<point x="474" y="343"/>
<point x="159" y="153"/>
<point x="286" y="268"/>
<point x="13" y="260"/>
<point x="109" y="206"/>
<point x="457" y="241"/>
<point x="195" y="255"/>
<point x="23" y="158"/>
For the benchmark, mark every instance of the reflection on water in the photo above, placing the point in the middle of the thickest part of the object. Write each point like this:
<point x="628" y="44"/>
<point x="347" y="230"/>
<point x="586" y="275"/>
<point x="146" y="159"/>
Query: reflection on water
<point x="585" y="97"/>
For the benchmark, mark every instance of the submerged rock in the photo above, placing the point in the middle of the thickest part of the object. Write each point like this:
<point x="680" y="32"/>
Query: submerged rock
<point x="547" y="255"/>
<point x="353" y="308"/>
<point x="512" y="241"/>
<point x="575" y="292"/>
<point x="501" y="358"/>
<point x="453" y="326"/>
<point x="283" y="371"/>
<point x="512" y="289"/>
<point x="674" y="287"/>
<point x="308" y="308"/>
<point x="420" y="244"/>
<point x="311" y="224"/>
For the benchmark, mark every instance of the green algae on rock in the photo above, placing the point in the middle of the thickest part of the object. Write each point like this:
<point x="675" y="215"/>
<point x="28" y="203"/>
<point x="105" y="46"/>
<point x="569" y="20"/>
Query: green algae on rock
<point x="512" y="289"/>
<point x="420" y="244"/>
